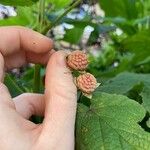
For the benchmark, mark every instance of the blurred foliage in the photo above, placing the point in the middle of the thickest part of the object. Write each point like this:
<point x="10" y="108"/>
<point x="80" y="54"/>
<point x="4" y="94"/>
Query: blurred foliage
<point x="25" y="16"/>
<point x="115" y="35"/>
<point x="18" y="2"/>
<point x="59" y="3"/>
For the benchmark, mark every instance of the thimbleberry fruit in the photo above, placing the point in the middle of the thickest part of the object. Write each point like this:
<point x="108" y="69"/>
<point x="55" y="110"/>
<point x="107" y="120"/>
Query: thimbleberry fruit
<point x="86" y="83"/>
<point x="77" y="60"/>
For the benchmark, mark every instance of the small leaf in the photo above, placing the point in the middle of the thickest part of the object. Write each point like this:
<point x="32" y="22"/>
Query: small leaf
<point x="87" y="95"/>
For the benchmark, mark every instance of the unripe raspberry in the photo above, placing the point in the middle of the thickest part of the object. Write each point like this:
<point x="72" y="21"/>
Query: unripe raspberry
<point x="77" y="60"/>
<point x="86" y="83"/>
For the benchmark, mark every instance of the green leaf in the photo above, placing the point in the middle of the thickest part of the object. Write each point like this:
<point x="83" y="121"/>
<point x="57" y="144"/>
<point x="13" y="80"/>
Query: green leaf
<point x="12" y="85"/>
<point x="111" y="123"/>
<point x="121" y="84"/>
<point x="26" y="80"/>
<point x="24" y="17"/>
<point x="128" y="26"/>
<point x="120" y="8"/>
<point x="99" y="29"/>
<point x="146" y="97"/>
<point x="74" y="35"/>
<point x="60" y="3"/>
<point x="125" y="82"/>
<point x="18" y="2"/>
<point x="146" y="4"/>
<point x="139" y="45"/>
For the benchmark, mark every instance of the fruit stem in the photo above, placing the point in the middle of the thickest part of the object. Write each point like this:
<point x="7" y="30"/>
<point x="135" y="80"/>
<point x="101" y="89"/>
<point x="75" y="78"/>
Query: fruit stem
<point x="79" y="96"/>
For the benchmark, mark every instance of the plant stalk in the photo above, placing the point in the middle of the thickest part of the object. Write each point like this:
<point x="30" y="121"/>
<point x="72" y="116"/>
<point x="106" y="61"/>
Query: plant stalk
<point x="76" y="3"/>
<point x="36" y="87"/>
<point x="37" y="77"/>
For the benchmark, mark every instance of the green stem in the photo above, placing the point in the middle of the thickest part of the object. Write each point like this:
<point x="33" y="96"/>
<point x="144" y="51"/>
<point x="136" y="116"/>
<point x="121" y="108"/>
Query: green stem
<point x="41" y="14"/>
<point x="37" y="79"/>
<point x="79" y="96"/>
<point x="65" y="13"/>
<point x="76" y="3"/>
<point x="36" y="87"/>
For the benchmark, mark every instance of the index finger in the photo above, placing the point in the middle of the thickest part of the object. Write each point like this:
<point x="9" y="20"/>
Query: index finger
<point x="14" y="39"/>
<point x="19" y="45"/>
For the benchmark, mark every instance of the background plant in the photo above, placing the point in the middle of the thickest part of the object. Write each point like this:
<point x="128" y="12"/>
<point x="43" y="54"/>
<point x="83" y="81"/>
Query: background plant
<point x="116" y="37"/>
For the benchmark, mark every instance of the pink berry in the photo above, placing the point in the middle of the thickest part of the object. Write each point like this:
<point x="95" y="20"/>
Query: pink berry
<point x="86" y="83"/>
<point x="77" y="60"/>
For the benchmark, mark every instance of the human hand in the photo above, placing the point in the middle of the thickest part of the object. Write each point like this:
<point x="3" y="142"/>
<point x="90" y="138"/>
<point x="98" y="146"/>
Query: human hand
<point x="19" y="46"/>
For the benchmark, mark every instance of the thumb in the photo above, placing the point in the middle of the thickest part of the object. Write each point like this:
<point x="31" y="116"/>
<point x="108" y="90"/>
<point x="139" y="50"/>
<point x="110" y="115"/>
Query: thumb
<point x="1" y="68"/>
<point x="60" y="95"/>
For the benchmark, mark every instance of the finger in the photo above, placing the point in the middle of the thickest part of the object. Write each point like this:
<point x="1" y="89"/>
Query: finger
<point x="61" y="97"/>
<point x="1" y="67"/>
<point x="12" y="124"/>
<point x="19" y="45"/>
<point x="12" y="62"/>
<point x="5" y="98"/>
<point x="29" y="104"/>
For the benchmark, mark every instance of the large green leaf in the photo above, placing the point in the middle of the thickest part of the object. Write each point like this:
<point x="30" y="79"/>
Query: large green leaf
<point x="18" y="2"/>
<point x="139" y="45"/>
<point x="123" y="8"/>
<point x="111" y="123"/>
<point x="125" y="82"/>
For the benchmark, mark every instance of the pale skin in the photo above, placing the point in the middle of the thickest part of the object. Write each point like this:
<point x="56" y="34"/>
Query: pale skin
<point x="19" y="46"/>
